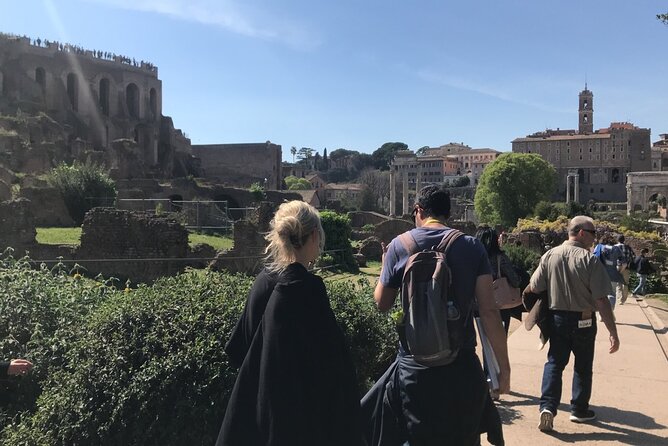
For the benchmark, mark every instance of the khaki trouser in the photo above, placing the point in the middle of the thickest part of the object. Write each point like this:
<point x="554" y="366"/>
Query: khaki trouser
<point x="622" y="288"/>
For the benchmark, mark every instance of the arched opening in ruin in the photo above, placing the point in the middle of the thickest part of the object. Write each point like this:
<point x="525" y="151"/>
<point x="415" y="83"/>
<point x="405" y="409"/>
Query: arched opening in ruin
<point x="175" y="203"/>
<point x="40" y="77"/>
<point x="615" y="175"/>
<point x="2" y="84"/>
<point x="153" y="102"/>
<point x="104" y="96"/>
<point x="234" y="211"/>
<point x="72" y="92"/>
<point x="132" y="100"/>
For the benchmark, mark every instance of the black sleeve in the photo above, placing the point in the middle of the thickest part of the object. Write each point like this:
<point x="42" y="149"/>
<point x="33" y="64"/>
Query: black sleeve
<point x="4" y="367"/>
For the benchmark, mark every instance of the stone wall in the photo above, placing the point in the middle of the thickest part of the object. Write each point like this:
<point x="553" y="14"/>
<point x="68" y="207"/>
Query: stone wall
<point x="248" y="252"/>
<point x="17" y="226"/>
<point x="242" y="164"/>
<point x="361" y="218"/>
<point x="117" y="236"/>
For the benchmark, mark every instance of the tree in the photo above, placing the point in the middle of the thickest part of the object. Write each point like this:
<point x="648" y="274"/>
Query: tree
<point x="294" y="183"/>
<point x="83" y="187"/>
<point x="663" y="17"/>
<point x="293" y="150"/>
<point x="462" y="181"/>
<point x="325" y="161"/>
<point x="422" y="150"/>
<point x="378" y="186"/>
<point x="304" y="154"/>
<point x="383" y="156"/>
<point x="511" y="186"/>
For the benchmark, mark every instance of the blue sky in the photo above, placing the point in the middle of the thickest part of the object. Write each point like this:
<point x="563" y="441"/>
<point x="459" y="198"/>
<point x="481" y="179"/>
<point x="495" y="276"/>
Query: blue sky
<point x="355" y="74"/>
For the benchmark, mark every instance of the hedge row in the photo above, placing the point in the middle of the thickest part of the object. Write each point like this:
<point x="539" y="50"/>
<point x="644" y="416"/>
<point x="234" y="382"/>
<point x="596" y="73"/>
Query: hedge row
<point x="146" y="366"/>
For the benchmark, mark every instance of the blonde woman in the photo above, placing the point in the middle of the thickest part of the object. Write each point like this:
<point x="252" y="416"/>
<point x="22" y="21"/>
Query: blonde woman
<point x="297" y="384"/>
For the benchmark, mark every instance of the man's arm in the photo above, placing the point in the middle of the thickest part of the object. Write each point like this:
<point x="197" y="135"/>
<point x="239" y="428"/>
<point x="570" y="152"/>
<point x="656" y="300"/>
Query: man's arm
<point x="603" y="306"/>
<point x="491" y="322"/>
<point x="384" y="296"/>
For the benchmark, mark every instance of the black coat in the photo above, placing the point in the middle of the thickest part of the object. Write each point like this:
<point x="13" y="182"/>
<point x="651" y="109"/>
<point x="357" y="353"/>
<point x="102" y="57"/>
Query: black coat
<point x="297" y="384"/>
<point x="242" y="336"/>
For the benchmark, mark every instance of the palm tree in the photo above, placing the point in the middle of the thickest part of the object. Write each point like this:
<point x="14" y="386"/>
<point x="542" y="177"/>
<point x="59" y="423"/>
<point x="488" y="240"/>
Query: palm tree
<point x="293" y="150"/>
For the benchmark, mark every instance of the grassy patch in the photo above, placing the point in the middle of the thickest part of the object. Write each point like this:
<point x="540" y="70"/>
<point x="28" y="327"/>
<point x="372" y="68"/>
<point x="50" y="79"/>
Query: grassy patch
<point x="219" y="243"/>
<point x="372" y="268"/>
<point x="59" y="236"/>
<point x="661" y="297"/>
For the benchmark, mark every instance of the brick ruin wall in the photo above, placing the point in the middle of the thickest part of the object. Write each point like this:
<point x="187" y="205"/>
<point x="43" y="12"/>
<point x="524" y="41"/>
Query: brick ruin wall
<point x="118" y="236"/>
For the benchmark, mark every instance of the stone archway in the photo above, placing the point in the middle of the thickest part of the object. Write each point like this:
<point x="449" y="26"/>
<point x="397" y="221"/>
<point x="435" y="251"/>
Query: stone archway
<point x="641" y="186"/>
<point x="132" y="100"/>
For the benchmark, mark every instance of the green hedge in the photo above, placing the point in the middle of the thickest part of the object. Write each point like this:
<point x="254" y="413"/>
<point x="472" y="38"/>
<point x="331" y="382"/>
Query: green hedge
<point x="147" y="367"/>
<point x="40" y="313"/>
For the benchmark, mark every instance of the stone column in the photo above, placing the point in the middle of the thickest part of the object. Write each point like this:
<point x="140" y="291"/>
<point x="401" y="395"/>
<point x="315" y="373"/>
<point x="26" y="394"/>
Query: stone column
<point x="393" y="193"/>
<point x="404" y="193"/>
<point x="576" y="192"/>
<point x="568" y="188"/>
<point x="418" y="181"/>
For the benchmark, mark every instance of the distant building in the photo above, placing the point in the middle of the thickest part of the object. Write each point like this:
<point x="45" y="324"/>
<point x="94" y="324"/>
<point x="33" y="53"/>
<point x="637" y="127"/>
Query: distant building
<point x="601" y="159"/>
<point x="443" y="163"/>
<point x="660" y="153"/>
<point x="343" y="191"/>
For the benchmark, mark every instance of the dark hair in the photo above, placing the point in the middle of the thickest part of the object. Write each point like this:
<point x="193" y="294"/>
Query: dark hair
<point x="621" y="239"/>
<point x="434" y="200"/>
<point x="489" y="239"/>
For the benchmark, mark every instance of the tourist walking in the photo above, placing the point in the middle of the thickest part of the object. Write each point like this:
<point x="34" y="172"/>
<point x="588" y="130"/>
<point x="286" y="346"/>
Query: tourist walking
<point x="297" y="384"/>
<point x="577" y="286"/>
<point x="644" y="268"/>
<point x="622" y="288"/>
<point x="440" y="399"/>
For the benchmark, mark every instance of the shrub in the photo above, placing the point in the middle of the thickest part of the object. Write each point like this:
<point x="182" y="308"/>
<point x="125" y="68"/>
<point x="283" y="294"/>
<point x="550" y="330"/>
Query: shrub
<point x="83" y="187"/>
<point x="337" y="239"/>
<point x="147" y="366"/>
<point x="257" y="191"/>
<point x="521" y="257"/>
<point x="41" y="311"/>
<point x="370" y="334"/>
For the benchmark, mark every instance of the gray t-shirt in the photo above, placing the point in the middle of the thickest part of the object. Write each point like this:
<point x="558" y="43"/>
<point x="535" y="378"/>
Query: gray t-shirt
<point x="573" y="277"/>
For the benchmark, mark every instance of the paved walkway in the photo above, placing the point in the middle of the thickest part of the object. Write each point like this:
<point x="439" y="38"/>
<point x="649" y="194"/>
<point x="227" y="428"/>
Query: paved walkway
<point x="630" y="392"/>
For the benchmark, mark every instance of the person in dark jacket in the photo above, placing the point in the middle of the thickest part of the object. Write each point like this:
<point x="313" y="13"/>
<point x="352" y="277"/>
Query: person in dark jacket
<point x="239" y="342"/>
<point x="14" y="367"/>
<point x="297" y="383"/>
<point x="501" y="267"/>
<point x="643" y="268"/>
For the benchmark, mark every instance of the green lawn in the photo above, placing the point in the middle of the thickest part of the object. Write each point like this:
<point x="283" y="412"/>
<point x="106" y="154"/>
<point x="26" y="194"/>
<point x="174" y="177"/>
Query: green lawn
<point x="72" y="236"/>
<point x="219" y="243"/>
<point x="59" y="236"/>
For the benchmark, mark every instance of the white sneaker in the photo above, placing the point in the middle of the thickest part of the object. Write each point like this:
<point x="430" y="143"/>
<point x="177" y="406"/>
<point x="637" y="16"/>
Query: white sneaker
<point x="546" y="421"/>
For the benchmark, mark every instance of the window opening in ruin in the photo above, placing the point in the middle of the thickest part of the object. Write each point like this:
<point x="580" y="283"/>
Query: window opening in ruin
<point x="2" y="84"/>
<point x="586" y="118"/>
<point x="615" y="175"/>
<point x="132" y="100"/>
<point x="72" y="93"/>
<point x="40" y="77"/>
<point x="136" y="135"/>
<point x="104" y="96"/>
<point x="153" y="101"/>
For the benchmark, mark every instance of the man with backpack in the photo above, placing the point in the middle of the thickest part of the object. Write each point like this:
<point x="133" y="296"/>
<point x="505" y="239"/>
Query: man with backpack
<point x="577" y="286"/>
<point x="436" y="393"/>
<point x="625" y="268"/>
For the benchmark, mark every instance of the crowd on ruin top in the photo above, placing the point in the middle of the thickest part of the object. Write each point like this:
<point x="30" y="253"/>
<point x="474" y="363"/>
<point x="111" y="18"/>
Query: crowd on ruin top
<point x="104" y="55"/>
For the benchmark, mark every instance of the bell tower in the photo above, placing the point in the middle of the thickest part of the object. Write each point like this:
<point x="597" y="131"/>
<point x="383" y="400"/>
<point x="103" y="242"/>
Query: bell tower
<point x="586" y="111"/>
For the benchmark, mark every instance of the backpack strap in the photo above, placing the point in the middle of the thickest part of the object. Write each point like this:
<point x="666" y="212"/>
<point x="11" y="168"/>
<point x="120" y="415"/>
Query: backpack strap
<point x="448" y="239"/>
<point x="409" y="243"/>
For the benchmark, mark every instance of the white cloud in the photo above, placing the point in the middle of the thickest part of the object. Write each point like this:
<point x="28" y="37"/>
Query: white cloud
<point x="487" y="89"/>
<point x="226" y="15"/>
